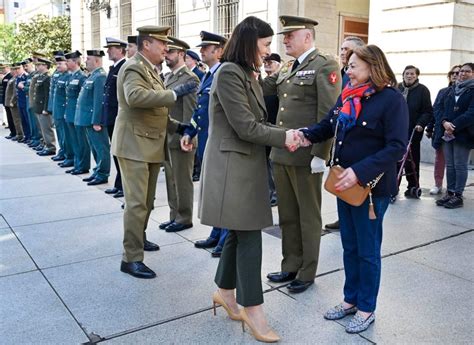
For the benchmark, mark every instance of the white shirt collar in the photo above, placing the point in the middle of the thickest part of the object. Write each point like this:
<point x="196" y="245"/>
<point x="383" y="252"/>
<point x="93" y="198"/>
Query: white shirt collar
<point x="214" y="68"/>
<point x="305" y="54"/>
<point x="115" y="64"/>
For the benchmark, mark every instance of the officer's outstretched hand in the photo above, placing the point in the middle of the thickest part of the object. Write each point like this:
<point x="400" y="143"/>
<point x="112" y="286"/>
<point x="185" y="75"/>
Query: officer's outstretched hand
<point x="184" y="89"/>
<point x="186" y="144"/>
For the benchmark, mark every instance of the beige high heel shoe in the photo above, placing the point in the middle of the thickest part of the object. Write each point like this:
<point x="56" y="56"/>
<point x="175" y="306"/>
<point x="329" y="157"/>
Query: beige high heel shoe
<point x="218" y="300"/>
<point x="269" y="337"/>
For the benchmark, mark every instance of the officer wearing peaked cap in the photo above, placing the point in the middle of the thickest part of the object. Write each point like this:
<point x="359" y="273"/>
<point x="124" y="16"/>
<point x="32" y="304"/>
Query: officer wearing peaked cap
<point x="90" y="118"/>
<point x="212" y="46"/>
<point x="116" y="50"/>
<point x="76" y="137"/>
<point x="58" y="55"/>
<point x="308" y="87"/>
<point x="179" y="169"/>
<point x="131" y="46"/>
<point x="191" y="60"/>
<point x="11" y="100"/>
<point x="139" y="139"/>
<point x="41" y="88"/>
<point x="59" y="109"/>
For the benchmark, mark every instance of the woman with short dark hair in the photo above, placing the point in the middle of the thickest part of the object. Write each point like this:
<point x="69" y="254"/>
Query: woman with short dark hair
<point x="234" y="188"/>
<point x="369" y="124"/>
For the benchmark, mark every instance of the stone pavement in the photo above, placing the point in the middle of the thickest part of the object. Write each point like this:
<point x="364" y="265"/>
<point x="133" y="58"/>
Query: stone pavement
<point x="60" y="251"/>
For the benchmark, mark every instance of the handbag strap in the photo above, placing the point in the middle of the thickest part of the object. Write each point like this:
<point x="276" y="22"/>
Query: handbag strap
<point x="333" y="149"/>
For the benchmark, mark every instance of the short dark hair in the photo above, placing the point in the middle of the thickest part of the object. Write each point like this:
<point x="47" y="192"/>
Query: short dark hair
<point x="242" y="45"/>
<point x="470" y="64"/>
<point x="417" y="70"/>
<point x="141" y="39"/>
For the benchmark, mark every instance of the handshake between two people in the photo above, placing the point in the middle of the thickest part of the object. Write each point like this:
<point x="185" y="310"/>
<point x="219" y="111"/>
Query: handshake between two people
<point x="293" y="141"/>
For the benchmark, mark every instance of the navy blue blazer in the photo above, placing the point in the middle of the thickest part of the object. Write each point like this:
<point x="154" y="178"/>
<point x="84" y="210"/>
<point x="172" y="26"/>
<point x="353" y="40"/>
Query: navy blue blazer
<point x="200" y="119"/>
<point x="461" y="114"/>
<point x="200" y="74"/>
<point x="5" y="80"/>
<point x="375" y="144"/>
<point x="110" y="101"/>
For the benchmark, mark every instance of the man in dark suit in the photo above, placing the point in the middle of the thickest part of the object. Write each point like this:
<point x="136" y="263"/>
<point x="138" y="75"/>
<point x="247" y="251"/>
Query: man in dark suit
<point x="191" y="60"/>
<point x="116" y="50"/>
<point x="212" y="46"/>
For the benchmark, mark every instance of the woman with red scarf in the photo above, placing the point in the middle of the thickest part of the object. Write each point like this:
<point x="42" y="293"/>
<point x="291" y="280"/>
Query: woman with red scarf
<point x="369" y="122"/>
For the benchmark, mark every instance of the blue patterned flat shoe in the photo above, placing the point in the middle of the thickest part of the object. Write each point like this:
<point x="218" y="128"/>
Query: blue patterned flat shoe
<point x="338" y="312"/>
<point x="359" y="323"/>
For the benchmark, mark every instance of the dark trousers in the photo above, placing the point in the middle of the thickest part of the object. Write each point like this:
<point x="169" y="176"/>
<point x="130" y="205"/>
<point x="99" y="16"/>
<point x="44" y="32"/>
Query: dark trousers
<point x="83" y="154"/>
<point x="25" y="122"/>
<point x="413" y="177"/>
<point x="60" y="125"/>
<point x="219" y="234"/>
<point x="11" y="125"/>
<point x="118" y="178"/>
<point x="100" y="145"/>
<point x="361" y="239"/>
<point x="240" y="266"/>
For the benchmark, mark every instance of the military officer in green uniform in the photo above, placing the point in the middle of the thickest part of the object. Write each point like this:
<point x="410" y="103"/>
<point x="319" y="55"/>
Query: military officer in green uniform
<point x="31" y="87"/>
<point x="139" y="139"/>
<point x="179" y="168"/>
<point x="76" y="135"/>
<point x="307" y="88"/>
<point x="11" y="101"/>
<point x="90" y="115"/>
<point x="59" y="109"/>
<point x="34" y="125"/>
<point x="40" y="106"/>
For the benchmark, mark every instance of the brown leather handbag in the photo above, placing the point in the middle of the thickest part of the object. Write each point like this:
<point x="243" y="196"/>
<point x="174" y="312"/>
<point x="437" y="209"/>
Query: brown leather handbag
<point x="357" y="194"/>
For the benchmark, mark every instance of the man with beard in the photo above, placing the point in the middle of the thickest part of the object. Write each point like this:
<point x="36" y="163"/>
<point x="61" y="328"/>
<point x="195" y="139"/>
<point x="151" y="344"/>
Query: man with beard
<point x="179" y="168"/>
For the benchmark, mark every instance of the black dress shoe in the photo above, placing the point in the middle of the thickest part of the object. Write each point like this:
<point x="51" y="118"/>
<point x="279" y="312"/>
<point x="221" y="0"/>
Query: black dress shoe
<point x="216" y="252"/>
<point x="332" y="226"/>
<point x="39" y="148"/>
<point x="150" y="246"/>
<point x="9" y="137"/>
<point x="195" y="178"/>
<point x="165" y="224"/>
<point x="137" y="269"/>
<point x="70" y="171"/>
<point x="119" y="194"/>
<point x="79" y="172"/>
<point x="207" y="243"/>
<point x="175" y="227"/>
<point x="297" y="286"/>
<point x="111" y="190"/>
<point x="88" y="179"/>
<point x="96" y="182"/>
<point x="281" y="277"/>
<point x="66" y="164"/>
<point x="58" y="158"/>
<point x="46" y="153"/>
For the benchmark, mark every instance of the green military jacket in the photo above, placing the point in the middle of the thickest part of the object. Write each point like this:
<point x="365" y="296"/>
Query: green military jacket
<point x="89" y="109"/>
<point x="40" y="92"/>
<point x="142" y="120"/>
<point x="183" y="109"/>
<point x="10" y="93"/>
<point x="305" y="97"/>
<point x="73" y="88"/>
<point x="52" y="90"/>
<point x="30" y="84"/>
<point x="59" y="106"/>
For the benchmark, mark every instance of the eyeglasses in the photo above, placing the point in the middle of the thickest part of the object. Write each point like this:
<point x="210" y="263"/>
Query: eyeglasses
<point x="455" y="73"/>
<point x="466" y="71"/>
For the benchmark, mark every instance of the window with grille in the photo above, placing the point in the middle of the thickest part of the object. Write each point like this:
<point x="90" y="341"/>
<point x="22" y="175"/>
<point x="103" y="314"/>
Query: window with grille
<point x="125" y="18"/>
<point x="227" y="16"/>
<point x="168" y="15"/>
<point x="95" y="29"/>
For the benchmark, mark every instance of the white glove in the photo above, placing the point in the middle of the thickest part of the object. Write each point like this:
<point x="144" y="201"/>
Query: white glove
<point x="317" y="165"/>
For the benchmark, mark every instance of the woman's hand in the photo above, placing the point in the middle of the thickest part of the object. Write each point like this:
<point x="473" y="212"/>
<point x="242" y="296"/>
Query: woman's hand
<point x="449" y="127"/>
<point x="347" y="179"/>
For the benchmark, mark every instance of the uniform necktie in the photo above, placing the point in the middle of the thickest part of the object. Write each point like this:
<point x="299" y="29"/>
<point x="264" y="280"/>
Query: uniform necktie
<point x="208" y="74"/>
<point x="295" y="65"/>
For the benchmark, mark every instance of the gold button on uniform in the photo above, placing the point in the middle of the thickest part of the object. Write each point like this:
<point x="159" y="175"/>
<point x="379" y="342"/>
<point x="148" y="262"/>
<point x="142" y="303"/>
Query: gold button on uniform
<point x="287" y="81"/>
<point x="285" y="95"/>
<point x="340" y="143"/>
<point x="281" y="123"/>
<point x="364" y="123"/>
<point x="282" y="108"/>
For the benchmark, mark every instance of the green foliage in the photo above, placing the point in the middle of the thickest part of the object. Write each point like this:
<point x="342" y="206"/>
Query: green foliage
<point x="40" y="33"/>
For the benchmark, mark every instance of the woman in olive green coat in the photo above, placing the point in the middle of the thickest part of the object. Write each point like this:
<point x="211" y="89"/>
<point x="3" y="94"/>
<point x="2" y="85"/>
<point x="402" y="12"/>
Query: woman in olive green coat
<point x="234" y="187"/>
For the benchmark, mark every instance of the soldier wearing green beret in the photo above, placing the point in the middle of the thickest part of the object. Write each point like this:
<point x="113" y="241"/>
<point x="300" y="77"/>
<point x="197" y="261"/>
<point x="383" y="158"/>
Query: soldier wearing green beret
<point x="90" y="117"/>
<point x="139" y="139"/>
<point x="307" y="88"/>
